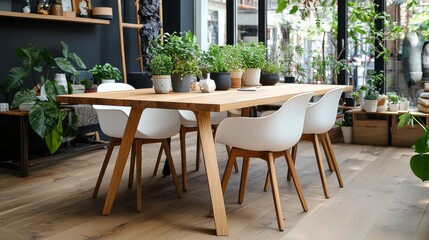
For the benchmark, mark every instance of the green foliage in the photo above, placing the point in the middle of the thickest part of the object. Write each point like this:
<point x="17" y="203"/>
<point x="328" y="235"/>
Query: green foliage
<point x="372" y="93"/>
<point x="105" y="71"/>
<point x="161" y="64"/>
<point x="253" y="54"/>
<point x="393" y="98"/>
<point x="419" y="162"/>
<point x="214" y="59"/>
<point x="290" y="61"/>
<point x="34" y="59"/>
<point x="355" y="95"/>
<point x="346" y="120"/>
<point x="234" y="60"/>
<point x="270" y="67"/>
<point x="183" y="50"/>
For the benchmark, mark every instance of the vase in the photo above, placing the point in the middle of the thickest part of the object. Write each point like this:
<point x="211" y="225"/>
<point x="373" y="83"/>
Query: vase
<point x="347" y="134"/>
<point x="207" y="85"/>
<point x="181" y="84"/>
<point x="61" y="79"/>
<point x="251" y="77"/>
<point x="236" y="78"/>
<point x="393" y="107"/>
<point x="370" y="105"/>
<point x="222" y="80"/>
<point x="161" y="83"/>
<point x="404" y="105"/>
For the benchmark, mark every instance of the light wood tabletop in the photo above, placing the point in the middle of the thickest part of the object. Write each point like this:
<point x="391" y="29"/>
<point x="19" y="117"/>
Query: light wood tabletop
<point x="202" y="104"/>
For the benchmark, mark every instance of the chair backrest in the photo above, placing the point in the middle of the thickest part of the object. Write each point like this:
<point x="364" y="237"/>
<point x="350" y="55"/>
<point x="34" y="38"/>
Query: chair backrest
<point x="154" y="123"/>
<point x="276" y="132"/>
<point x="321" y="116"/>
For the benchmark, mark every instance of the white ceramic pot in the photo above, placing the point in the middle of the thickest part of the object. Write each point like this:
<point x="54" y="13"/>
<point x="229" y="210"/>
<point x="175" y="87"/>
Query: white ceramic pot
<point x="370" y="105"/>
<point x="61" y="79"/>
<point x="251" y="77"/>
<point x="161" y="83"/>
<point x="403" y="106"/>
<point x="107" y="80"/>
<point x="347" y="134"/>
<point x="393" y="107"/>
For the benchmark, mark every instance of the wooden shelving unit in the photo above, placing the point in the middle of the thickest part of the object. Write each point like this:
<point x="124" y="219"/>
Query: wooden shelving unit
<point x="53" y="18"/>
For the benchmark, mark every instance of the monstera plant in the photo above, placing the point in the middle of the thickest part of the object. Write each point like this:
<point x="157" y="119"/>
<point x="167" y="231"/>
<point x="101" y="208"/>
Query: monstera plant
<point x="419" y="162"/>
<point x="46" y="116"/>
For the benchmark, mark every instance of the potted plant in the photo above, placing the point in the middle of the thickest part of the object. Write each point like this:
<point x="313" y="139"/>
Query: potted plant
<point x="186" y="56"/>
<point x="270" y="73"/>
<point x="291" y="68"/>
<point x="346" y="124"/>
<point x="371" y="99"/>
<point x="234" y="64"/>
<point x="404" y="103"/>
<point x="215" y="60"/>
<point x="352" y="99"/>
<point x="105" y="73"/>
<point x="254" y="57"/>
<point x="393" y="102"/>
<point x="45" y="117"/>
<point x="161" y="66"/>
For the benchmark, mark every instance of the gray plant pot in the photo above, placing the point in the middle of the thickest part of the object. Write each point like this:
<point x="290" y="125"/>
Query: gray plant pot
<point x="181" y="85"/>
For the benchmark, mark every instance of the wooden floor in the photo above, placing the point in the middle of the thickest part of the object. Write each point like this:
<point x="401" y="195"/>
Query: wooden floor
<point x="381" y="199"/>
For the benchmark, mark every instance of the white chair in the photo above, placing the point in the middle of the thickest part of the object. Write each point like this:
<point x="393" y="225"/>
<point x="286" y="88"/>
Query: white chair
<point x="319" y="119"/>
<point x="155" y="126"/>
<point x="267" y="138"/>
<point x="188" y="123"/>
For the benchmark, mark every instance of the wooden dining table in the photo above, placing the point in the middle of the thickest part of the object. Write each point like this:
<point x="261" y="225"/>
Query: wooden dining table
<point x="201" y="104"/>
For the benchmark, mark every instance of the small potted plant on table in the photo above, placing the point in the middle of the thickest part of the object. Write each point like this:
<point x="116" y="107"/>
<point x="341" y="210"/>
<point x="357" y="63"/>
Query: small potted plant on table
<point x="270" y="73"/>
<point x="161" y="66"/>
<point x="105" y="73"/>
<point x="393" y="102"/>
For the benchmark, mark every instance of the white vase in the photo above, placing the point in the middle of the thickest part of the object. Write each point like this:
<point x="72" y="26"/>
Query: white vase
<point x="403" y="106"/>
<point x="207" y="85"/>
<point x="347" y="134"/>
<point x="370" y="105"/>
<point x="161" y="83"/>
<point x="61" y="79"/>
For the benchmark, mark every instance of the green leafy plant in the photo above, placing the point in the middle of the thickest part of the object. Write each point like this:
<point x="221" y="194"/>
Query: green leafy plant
<point x="419" y="162"/>
<point x="356" y="95"/>
<point x="234" y="60"/>
<point x="346" y="120"/>
<point x="253" y="54"/>
<point x="182" y="49"/>
<point x="106" y="71"/>
<point x="161" y="64"/>
<point x="46" y="117"/>
<point x="215" y="59"/>
<point x="290" y="57"/>
<point x="371" y="93"/>
<point x="393" y="98"/>
<point x="270" y="67"/>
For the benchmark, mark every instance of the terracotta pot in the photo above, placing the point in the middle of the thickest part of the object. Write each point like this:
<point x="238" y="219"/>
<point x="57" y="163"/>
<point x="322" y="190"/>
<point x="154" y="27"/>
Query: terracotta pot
<point x="236" y="79"/>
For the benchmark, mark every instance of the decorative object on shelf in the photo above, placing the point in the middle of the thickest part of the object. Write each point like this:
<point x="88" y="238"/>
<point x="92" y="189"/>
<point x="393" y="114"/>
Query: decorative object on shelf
<point x="57" y="8"/>
<point x="4" y="107"/>
<point x="26" y="8"/>
<point x="149" y="17"/>
<point x="393" y="102"/>
<point x="67" y="5"/>
<point x="207" y="85"/>
<point x="83" y="9"/>
<point x="102" y="13"/>
<point x="43" y="7"/>
<point x="404" y="103"/>
<point x="412" y="59"/>
<point x="382" y="103"/>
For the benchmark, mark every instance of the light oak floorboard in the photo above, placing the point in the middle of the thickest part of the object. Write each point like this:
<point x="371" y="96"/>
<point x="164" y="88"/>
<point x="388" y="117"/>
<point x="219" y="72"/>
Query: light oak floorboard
<point x="381" y="199"/>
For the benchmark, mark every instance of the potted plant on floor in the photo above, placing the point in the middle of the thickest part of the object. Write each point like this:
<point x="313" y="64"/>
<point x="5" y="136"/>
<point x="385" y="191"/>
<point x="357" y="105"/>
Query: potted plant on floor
<point x="346" y="124"/>
<point x="161" y="66"/>
<point x="105" y="73"/>
<point x="254" y="57"/>
<point x="45" y="115"/>
<point x="270" y="73"/>
<point x="186" y="55"/>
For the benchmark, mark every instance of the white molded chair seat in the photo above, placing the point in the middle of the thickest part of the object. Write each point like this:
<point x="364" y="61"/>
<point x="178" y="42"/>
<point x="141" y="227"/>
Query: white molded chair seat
<point x="267" y="138"/>
<point x="155" y="126"/>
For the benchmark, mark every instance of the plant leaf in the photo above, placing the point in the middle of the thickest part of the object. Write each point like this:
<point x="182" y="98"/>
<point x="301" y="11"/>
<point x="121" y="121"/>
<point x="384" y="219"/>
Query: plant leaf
<point x="420" y="166"/>
<point x="77" y="60"/>
<point x="43" y="117"/>
<point x="54" y="138"/>
<point x="421" y="144"/>
<point x="65" y="65"/>
<point x="23" y="96"/>
<point x="404" y="119"/>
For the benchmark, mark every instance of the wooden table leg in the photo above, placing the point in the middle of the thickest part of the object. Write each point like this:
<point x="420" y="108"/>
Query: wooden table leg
<point x="212" y="171"/>
<point x="24" y="146"/>
<point x="124" y="150"/>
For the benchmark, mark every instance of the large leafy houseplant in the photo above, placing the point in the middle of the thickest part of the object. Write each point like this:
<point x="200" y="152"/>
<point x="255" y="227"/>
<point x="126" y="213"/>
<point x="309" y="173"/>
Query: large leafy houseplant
<point x="419" y="162"/>
<point x="46" y="117"/>
<point x="290" y="56"/>
<point x="106" y="71"/>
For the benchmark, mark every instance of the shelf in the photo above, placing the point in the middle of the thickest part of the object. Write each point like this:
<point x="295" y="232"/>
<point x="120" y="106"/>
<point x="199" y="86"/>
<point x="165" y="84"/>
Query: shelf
<point x="54" y="18"/>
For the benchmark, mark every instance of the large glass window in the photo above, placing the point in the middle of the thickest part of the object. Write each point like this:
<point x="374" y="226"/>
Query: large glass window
<point x="216" y="22"/>
<point x="247" y="20"/>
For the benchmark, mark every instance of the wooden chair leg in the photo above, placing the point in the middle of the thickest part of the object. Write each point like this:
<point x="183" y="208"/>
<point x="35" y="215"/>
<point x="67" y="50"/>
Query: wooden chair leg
<point x="112" y="144"/>
<point x="228" y="169"/>
<point x="244" y="171"/>
<point x="158" y="160"/>
<point x="132" y="163"/>
<point x="296" y="181"/>
<point x="275" y="191"/>
<point x="334" y="160"/>
<point x="171" y="166"/>
<point x="198" y="154"/>
<point x="138" y="153"/>
<point x="316" y="147"/>
<point x="294" y="152"/>
<point x="327" y="152"/>
<point x="228" y="150"/>
<point x="183" y="158"/>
